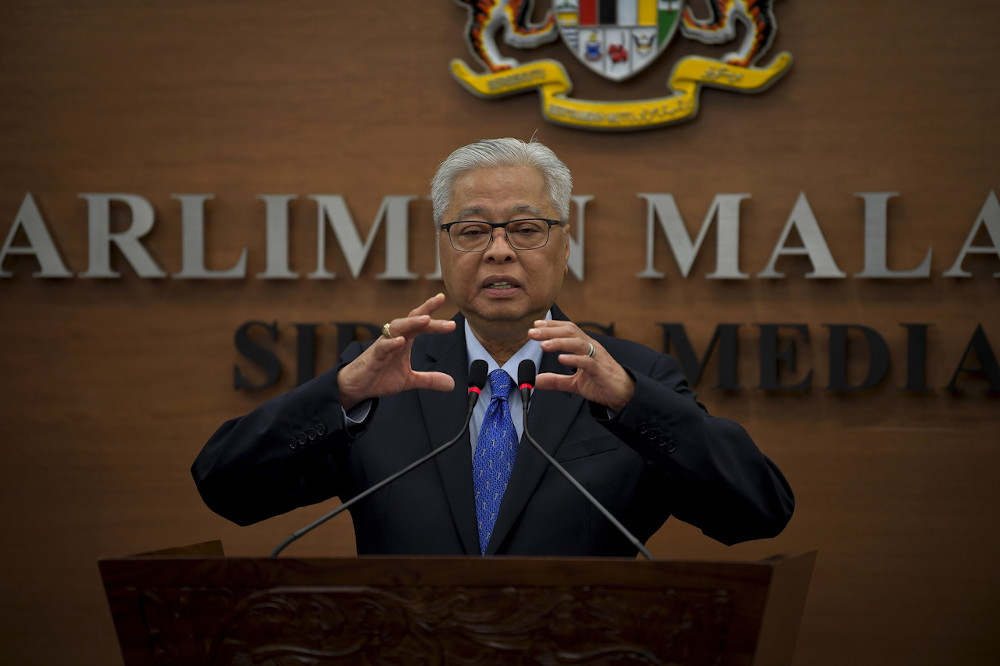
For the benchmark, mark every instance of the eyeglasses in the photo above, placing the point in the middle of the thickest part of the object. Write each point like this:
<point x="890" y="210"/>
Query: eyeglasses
<point x="526" y="234"/>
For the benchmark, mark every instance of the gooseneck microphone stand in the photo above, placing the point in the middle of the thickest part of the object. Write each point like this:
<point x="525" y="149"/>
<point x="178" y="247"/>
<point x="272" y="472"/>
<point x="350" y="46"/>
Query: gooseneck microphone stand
<point x="477" y="378"/>
<point x="526" y="382"/>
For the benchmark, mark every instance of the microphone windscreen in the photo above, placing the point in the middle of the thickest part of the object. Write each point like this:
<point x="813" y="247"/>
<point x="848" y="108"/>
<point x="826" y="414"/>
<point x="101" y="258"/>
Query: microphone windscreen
<point x="477" y="373"/>
<point x="526" y="373"/>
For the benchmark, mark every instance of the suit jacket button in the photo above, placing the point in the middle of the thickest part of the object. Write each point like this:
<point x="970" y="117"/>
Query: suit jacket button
<point x="293" y="444"/>
<point x="320" y="429"/>
<point x="670" y="447"/>
<point x="302" y="438"/>
<point x="311" y="434"/>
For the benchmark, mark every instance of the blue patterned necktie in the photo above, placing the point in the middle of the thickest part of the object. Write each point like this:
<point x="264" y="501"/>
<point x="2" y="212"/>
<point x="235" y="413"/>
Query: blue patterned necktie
<point x="495" y="451"/>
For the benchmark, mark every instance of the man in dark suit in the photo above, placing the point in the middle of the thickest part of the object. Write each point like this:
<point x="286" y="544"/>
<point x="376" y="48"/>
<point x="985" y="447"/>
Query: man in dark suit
<point x="618" y="416"/>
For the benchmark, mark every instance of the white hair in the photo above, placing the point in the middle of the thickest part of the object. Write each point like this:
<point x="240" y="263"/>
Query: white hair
<point x="491" y="153"/>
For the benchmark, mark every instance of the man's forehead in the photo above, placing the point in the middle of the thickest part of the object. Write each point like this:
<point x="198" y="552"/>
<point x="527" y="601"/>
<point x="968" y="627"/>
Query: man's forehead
<point x="519" y="209"/>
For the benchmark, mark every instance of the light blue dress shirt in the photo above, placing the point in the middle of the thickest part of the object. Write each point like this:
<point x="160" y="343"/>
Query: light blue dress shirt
<point x="532" y="350"/>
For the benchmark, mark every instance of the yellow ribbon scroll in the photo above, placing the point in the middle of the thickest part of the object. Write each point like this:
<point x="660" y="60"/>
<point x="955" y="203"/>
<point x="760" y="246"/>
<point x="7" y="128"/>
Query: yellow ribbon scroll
<point x="549" y="77"/>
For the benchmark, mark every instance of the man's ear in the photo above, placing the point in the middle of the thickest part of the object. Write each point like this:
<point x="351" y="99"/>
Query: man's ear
<point x="566" y="241"/>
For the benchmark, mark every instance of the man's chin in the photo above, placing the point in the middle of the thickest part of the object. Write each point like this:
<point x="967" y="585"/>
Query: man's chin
<point x="502" y="314"/>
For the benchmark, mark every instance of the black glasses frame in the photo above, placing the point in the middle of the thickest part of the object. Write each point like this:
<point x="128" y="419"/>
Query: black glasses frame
<point x="502" y="225"/>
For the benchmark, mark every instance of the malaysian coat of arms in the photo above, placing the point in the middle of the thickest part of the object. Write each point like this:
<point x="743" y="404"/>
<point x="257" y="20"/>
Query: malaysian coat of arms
<point x="617" y="39"/>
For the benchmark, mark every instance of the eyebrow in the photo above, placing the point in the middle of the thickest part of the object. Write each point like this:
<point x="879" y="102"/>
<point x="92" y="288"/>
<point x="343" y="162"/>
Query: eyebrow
<point x="516" y="210"/>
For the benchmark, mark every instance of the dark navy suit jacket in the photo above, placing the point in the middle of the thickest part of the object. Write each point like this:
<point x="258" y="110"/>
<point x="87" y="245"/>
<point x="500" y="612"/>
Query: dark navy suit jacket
<point x="662" y="455"/>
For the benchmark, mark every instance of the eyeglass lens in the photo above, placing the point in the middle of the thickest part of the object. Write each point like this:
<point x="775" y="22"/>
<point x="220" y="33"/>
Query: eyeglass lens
<point x="526" y="234"/>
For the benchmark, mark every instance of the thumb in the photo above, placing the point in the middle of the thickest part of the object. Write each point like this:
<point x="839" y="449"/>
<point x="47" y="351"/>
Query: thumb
<point x="434" y="381"/>
<point x="550" y="381"/>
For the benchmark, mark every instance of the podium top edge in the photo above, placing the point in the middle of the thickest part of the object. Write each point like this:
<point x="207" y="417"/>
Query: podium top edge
<point x="166" y="555"/>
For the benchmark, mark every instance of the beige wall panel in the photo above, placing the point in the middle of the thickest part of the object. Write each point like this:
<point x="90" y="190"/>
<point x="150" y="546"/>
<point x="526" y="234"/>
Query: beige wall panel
<point x="111" y="386"/>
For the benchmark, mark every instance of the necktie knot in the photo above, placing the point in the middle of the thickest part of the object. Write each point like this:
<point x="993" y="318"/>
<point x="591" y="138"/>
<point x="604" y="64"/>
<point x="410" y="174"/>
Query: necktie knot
<point x="500" y="384"/>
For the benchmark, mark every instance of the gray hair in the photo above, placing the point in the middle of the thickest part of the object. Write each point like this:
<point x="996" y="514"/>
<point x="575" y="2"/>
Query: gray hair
<point x="491" y="153"/>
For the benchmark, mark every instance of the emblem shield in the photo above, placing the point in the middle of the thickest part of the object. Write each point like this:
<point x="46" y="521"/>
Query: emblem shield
<point x="617" y="38"/>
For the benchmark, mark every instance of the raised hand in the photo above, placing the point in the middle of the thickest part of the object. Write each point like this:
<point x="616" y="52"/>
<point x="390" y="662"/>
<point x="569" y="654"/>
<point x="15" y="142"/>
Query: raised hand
<point x="384" y="368"/>
<point x="598" y="377"/>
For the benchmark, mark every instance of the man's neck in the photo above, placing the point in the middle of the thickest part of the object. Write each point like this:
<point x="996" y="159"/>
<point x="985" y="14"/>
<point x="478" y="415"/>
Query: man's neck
<point x="503" y="339"/>
<point x="501" y="349"/>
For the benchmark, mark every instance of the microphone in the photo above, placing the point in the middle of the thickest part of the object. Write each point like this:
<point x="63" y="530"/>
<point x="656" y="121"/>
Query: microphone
<point x="526" y="382"/>
<point x="477" y="379"/>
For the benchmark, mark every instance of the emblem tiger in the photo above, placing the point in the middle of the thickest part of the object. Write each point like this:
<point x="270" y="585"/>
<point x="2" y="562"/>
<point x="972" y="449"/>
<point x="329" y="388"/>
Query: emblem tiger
<point x="486" y="17"/>
<point x="720" y="27"/>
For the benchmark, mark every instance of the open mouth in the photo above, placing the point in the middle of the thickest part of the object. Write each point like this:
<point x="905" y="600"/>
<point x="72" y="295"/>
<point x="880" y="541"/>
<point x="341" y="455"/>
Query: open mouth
<point x="500" y="284"/>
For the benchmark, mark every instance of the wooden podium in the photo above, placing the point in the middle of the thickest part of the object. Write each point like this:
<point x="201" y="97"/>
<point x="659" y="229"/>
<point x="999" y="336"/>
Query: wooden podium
<point x="192" y="606"/>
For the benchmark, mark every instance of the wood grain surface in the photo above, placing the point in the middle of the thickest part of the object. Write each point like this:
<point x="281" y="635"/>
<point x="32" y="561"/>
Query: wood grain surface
<point x="111" y="386"/>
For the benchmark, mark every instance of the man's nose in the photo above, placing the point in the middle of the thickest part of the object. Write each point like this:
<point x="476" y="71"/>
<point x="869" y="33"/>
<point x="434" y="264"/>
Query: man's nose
<point x="499" y="249"/>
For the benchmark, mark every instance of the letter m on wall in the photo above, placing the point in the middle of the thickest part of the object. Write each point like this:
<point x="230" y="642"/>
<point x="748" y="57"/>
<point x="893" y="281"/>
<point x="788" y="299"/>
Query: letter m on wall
<point x="394" y="212"/>
<point x="725" y="208"/>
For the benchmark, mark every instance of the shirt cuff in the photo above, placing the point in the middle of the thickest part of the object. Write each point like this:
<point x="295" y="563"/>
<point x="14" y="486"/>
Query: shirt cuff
<point x="357" y="415"/>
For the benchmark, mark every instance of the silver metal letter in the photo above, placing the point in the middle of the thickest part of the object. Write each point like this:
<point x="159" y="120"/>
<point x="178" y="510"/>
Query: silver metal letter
<point x="394" y="211"/>
<point x="276" y="207"/>
<point x="876" y="243"/>
<point x="193" y="241"/>
<point x="101" y="238"/>
<point x="989" y="217"/>
<point x="40" y="242"/>
<point x="813" y="244"/>
<point x="576" y="255"/>
<point x="725" y="208"/>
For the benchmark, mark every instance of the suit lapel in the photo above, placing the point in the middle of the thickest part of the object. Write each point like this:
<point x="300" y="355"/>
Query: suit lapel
<point x="550" y="415"/>
<point x="444" y="414"/>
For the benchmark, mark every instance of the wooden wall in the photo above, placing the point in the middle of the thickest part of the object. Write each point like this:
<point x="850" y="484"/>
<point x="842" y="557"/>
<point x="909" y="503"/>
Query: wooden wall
<point x="110" y="386"/>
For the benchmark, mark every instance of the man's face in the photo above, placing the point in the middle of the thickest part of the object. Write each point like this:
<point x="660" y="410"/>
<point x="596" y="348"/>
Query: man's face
<point x="502" y="291"/>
